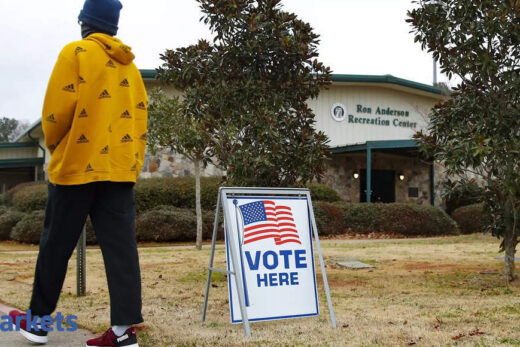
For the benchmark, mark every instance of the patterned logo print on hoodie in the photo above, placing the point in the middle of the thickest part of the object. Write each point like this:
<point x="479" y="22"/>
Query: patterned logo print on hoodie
<point x="79" y="50"/>
<point x="82" y="139"/>
<point x="104" y="95"/>
<point x="69" y="88"/>
<point x="83" y="114"/>
<point x="127" y="138"/>
<point x="51" y="118"/>
<point x="110" y="63"/>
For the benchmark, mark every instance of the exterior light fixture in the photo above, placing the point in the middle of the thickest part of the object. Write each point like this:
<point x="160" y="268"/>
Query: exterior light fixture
<point x="355" y="175"/>
<point x="401" y="176"/>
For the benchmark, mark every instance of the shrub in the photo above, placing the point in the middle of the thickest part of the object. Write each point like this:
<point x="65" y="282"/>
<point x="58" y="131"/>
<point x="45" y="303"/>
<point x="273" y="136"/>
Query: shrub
<point x="323" y="192"/>
<point x="3" y="209"/>
<point x="462" y="193"/>
<point x="8" y="219"/>
<point x="29" y="228"/>
<point x="178" y="192"/>
<point x="208" y="218"/>
<point x="30" y="197"/>
<point x="470" y="218"/>
<point x="329" y="218"/>
<point x="402" y="219"/>
<point x="168" y="224"/>
<point x="11" y="192"/>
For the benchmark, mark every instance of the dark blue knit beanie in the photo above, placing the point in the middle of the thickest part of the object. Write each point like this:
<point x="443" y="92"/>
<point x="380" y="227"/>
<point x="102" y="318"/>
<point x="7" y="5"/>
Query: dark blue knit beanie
<point x="101" y="14"/>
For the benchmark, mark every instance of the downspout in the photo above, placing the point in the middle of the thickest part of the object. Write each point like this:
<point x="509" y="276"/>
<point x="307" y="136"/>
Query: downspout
<point x="43" y="150"/>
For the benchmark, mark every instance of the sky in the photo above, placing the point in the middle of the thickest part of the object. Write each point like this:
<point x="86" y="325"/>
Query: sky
<point x="368" y="37"/>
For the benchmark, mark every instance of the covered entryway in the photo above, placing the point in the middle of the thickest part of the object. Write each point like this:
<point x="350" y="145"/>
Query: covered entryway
<point x="382" y="171"/>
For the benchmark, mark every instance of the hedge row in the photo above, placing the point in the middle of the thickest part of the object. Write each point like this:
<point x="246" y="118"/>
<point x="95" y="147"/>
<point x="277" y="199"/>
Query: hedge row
<point x="161" y="224"/>
<point x="154" y="192"/>
<point x="402" y="219"/>
<point x="170" y="224"/>
<point x="470" y="218"/>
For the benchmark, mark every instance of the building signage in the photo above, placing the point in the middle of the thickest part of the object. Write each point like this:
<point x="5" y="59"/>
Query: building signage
<point x="378" y="116"/>
<point x="272" y="239"/>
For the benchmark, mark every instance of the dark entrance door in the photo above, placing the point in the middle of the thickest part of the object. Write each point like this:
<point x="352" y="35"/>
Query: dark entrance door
<point x="383" y="186"/>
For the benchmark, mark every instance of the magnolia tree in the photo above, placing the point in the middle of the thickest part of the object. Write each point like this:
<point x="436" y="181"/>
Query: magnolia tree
<point x="248" y="89"/>
<point x="477" y="130"/>
<point x="170" y="126"/>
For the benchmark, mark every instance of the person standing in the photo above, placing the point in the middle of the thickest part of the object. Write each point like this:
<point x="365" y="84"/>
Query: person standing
<point x="95" y="124"/>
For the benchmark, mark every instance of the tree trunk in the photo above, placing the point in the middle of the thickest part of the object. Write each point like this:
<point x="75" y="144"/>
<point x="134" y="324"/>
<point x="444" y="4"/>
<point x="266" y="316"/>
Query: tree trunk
<point x="510" y="241"/>
<point x="198" y="242"/>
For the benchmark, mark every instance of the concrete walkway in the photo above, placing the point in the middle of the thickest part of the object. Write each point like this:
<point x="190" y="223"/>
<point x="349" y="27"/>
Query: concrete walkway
<point x="59" y="339"/>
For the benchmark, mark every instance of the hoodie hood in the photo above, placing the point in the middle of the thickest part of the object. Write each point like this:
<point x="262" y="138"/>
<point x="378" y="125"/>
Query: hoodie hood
<point x="113" y="47"/>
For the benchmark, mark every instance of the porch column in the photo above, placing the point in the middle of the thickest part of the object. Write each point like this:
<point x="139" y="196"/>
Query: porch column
<point x="369" y="174"/>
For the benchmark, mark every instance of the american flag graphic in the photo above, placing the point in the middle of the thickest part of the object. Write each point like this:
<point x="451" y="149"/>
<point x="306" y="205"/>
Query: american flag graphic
<point x="263" y="220"/>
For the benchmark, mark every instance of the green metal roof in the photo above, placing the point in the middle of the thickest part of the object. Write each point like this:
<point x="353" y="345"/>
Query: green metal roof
<point x="386" y="79"/>
<point x="151" y="74"/>
<point x="16" y="163"/>
<point x="148" y="73"/>
<point x="18" y="144"/>
<point x="385" y="144"/>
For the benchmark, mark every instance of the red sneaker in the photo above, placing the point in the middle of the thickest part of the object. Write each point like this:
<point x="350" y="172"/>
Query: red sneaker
<point x="33" y="335"/>
<point x="109" y="339"/>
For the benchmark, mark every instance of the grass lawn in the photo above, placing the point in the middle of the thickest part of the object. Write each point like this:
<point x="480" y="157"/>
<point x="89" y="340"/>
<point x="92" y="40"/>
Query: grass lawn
<point x="423" y="292"/>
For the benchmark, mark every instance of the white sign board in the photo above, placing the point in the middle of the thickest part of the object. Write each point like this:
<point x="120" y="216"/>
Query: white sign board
<point x="272" y="239"/>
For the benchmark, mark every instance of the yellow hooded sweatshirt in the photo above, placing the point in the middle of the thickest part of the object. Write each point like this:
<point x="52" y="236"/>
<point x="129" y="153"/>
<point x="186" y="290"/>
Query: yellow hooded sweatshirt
<point x="95" y="113"/>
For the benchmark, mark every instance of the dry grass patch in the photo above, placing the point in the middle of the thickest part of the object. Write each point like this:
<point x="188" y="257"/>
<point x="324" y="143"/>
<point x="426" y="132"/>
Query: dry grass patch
<point x="424" y="292"/>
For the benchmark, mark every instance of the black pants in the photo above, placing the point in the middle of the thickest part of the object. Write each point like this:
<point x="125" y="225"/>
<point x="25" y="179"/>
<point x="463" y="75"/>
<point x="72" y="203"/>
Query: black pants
<point x="112" y="210"/>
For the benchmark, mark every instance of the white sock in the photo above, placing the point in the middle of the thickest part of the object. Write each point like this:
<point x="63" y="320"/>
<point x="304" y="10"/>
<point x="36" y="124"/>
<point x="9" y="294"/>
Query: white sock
<point x="120" y="329"/>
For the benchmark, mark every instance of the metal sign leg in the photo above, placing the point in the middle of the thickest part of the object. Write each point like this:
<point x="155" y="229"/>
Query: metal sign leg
<point x="211" y="257"/>
<point x="236" y="270"/>
<point x="322" y="264"/>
